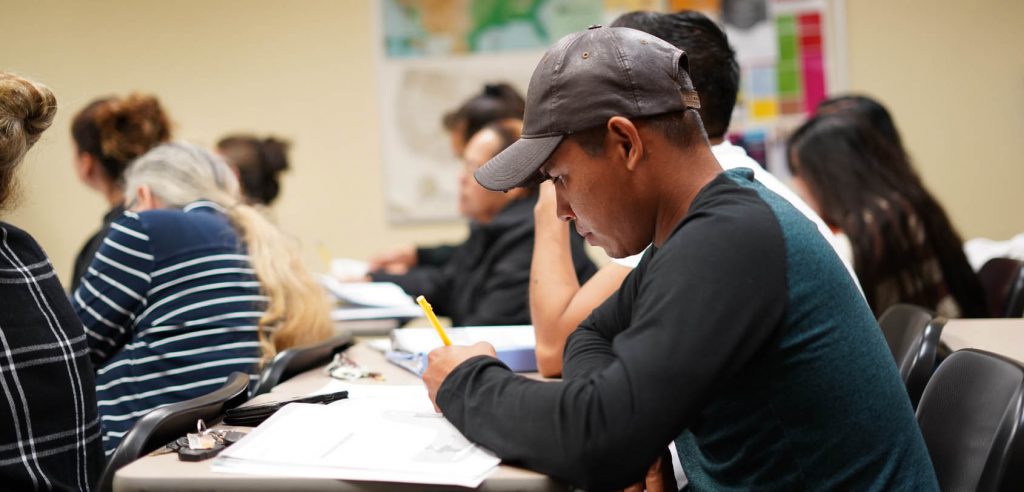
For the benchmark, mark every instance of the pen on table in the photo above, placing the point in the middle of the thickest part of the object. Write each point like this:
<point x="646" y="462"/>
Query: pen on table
<point x="422" y="301"/>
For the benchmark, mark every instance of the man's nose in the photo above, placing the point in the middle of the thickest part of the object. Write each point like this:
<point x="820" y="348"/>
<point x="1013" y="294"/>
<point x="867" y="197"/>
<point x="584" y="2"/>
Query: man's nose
<point x="563" y="208"/>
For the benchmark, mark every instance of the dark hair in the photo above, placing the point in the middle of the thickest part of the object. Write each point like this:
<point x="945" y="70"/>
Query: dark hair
<point x="259" y="162"/>
<point x="116" y="130"/>
<point x="681" y="128"/>
<point x="495" y="102"/>
<point x="869" y="111"/>
<point x="905" y="249"/>
<point x="713" y="67"/>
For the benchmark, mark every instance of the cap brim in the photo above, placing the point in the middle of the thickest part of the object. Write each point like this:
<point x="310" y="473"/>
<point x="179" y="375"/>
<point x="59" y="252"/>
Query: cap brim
<point x="518" y="164"/>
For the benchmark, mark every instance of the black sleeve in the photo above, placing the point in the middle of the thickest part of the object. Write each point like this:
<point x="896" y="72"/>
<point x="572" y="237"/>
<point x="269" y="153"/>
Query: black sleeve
<point x="85" y="256"/>
<point x="591" y="342"/>
<point x="702" y="306"/>
<point x="435" y="256"/>
<point x="504" y="293"/>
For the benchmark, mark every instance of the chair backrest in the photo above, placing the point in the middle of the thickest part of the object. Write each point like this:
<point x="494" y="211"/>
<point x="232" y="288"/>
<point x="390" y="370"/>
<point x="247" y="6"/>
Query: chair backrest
<point x="971" y="415"/>
<point x="297" y="360"/>
<point x="912" y="333"/>
<point x="170" y="422"/>
<point x="1003" y="280"/>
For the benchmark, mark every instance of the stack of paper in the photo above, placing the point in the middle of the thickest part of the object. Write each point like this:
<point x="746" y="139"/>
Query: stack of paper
<point x="370" y="300"/>
<point x="381" y="433"/>
<point x="515" y="345"/>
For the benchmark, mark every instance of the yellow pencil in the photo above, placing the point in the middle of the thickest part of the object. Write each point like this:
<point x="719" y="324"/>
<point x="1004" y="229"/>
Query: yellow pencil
<point x="422" y="301"/>
<point x="325" y="255"/>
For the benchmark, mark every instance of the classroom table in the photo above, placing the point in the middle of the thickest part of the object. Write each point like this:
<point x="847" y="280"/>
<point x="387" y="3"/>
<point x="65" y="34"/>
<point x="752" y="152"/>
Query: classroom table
<point x="166" y="472"/>
<point x="1004" y="336"/>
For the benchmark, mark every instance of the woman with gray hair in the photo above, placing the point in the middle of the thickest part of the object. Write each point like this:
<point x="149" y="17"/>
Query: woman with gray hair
<point x="189" y="286"/>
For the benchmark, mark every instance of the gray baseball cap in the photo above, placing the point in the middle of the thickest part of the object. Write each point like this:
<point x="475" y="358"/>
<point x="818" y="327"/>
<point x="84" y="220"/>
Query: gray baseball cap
<point x="586" y="78"/>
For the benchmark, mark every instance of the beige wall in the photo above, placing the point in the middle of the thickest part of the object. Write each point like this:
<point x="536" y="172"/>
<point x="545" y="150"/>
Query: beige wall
<point x="952" y="73"/>
<point x="305" y="70"/>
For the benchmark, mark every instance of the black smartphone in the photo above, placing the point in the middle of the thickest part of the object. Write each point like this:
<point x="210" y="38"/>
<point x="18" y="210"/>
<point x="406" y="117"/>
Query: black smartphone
<point x="254" y="415"/>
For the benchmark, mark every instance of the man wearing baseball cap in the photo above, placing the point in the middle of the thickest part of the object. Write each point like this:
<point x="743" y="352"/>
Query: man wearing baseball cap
<point x="739" y="336"/>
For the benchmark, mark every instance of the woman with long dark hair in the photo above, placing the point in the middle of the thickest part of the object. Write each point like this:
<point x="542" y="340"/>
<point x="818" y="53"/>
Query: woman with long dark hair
<point x="861" y="182"/>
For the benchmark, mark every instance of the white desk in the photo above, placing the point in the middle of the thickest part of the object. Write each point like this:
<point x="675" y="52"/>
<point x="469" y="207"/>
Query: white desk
<point x="166" y="472"/>
<point x="1004" y="336"/>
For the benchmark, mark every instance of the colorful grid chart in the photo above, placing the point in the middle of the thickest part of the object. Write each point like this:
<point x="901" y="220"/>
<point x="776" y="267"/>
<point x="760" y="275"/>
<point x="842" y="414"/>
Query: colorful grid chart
<point x="801" y="65"/>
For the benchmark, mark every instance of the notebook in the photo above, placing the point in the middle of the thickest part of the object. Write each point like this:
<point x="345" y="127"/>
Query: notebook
<point x="514" y="344"/>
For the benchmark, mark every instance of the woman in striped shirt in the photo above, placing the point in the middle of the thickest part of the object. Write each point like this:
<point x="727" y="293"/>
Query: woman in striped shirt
<point x="189" y="286"/>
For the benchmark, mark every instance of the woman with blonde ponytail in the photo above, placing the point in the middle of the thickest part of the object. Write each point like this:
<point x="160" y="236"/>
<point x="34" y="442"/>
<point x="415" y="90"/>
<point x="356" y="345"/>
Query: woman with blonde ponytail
<point x="190" y="285"/>
<point x="49" y="430"/>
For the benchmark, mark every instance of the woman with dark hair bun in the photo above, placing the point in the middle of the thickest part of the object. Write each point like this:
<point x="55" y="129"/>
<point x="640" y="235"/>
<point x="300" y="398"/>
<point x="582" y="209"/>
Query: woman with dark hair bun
<point x="109" y="134"/>
<point x="486" y="280"/>
<point x="496" y="102"/>
<point x="858" y="178"/>
<point x="259" y="163"/>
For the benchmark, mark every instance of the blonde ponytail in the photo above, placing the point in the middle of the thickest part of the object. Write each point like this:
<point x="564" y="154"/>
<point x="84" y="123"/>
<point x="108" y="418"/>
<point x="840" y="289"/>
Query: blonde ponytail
<point x="298" y="312"/>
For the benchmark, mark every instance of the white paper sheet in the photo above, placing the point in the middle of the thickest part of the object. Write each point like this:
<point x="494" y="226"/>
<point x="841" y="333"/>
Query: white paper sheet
<point x="381" y="433"/>
<point x="367" y="313"/>
<point x="423" y="340"/>
<point x="368" y="294"/>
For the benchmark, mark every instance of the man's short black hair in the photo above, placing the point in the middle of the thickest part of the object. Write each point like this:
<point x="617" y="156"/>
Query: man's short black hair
<point x="681" y="128"/>
<point x="713" y="67"/>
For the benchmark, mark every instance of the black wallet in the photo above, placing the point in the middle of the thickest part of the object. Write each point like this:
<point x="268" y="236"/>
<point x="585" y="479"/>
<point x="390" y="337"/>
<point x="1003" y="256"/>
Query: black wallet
<point x="254" y="415"/>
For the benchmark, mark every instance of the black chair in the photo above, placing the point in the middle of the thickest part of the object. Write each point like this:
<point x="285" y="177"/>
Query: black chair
<point x="971" y="415"/>
<point x="293" y="361"/>
<point x="170" y="422"/>
<point x="1003" y="280"/>
<point x="912" y="333"/>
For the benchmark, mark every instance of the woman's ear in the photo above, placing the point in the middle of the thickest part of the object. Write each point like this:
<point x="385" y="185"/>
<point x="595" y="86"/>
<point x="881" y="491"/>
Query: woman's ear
<point x="144" y="199"/>
<point x="624" y="140"/>
<point x="86" y="167"/>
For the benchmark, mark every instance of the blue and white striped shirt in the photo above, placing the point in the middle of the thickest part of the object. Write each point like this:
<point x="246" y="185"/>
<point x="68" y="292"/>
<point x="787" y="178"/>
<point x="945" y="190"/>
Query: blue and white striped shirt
<point x="170" y="305"/>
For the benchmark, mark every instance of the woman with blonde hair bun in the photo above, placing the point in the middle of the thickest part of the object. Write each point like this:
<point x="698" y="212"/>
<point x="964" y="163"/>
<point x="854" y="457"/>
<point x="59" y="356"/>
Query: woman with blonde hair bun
<point x="110" y="133"/>
<point x="190" y="285"/>
<point x="49" y="430"/>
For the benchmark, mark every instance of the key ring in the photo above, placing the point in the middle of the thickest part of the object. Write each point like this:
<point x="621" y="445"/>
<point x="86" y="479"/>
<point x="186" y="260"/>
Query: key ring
<point x="344" y="368"/>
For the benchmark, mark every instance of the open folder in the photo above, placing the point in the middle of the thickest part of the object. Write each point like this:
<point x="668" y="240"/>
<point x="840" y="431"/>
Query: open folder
<point x="514" y="344"/>
<point x="380" y="433"/>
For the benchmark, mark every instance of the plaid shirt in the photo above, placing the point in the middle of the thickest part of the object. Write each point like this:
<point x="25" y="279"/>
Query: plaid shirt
<point x="49" y="430"/>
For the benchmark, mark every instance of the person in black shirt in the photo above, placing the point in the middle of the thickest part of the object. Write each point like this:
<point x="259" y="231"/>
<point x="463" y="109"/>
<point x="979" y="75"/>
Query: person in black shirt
<point x="486" y="280"/>
<point x="109" y="134"/>
<point x="496" y="102"/>
<point x="49" y="428"/>
<point x="739" y="337"/>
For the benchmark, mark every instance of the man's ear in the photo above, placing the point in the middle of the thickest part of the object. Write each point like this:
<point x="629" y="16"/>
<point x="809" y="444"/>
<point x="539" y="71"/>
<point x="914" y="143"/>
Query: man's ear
<point x="623" y="139"/>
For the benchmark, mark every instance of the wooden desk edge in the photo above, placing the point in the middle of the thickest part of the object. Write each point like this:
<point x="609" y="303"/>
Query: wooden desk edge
<point x="151" y="473"/>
